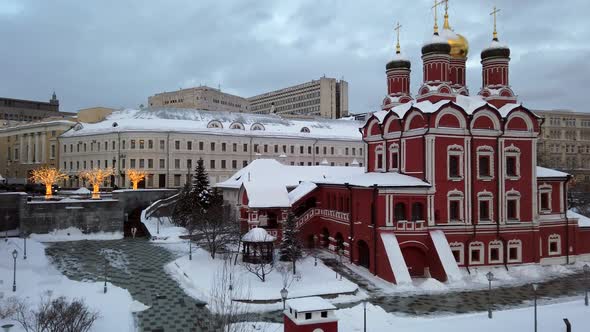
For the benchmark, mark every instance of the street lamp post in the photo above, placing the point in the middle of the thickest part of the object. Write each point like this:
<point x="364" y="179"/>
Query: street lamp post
<point x="284" y="294"/>
<point x="14" y="256"/>
<point x="190" y="249"/>
<point x="365" y="316"/>
<point x="586" y="273"/>
<point x="535" y="287"/>
<point x="105" y="275"/>
<point x="490" y="277"/>
<point x="6" y="219"/>
<point x="25" y="254"/>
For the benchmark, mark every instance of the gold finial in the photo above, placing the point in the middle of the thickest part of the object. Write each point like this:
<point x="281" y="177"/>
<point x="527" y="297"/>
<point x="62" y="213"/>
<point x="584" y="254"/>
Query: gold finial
<point x="397" y="47"/>
<point x="435" y="7"/>
<point x="446" y="25"/>
<point x="494" y="14"/>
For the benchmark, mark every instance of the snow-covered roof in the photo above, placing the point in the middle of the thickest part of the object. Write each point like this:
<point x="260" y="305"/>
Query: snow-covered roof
<point x="389" y="179"/>
<point x="199" y="121"/>
<point x="267" y="194"/>
<point x="258" y="234"/>
<point x="272" y="171"/>
<point x="583" y="221"/>
<point x="307" y="304"/>
<point x="301" y="190"/>
<point x="543" y="172"/>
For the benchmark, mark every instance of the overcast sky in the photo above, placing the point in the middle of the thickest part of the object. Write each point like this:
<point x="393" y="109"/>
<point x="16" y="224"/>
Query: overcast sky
<point x="116" y="53"/>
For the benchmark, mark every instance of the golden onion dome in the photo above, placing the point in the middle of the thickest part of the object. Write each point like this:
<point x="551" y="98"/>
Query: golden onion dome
<point x="459" y="46"/>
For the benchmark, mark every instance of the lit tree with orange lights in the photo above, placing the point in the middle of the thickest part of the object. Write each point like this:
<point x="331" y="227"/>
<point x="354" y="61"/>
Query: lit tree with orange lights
<point x="135" y="176"/>
<point x="96" y="177"/>
<point x="47" y="176"/>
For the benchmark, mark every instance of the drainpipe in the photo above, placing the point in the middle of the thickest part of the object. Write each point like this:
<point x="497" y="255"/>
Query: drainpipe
<point x="351" y="222"/>
<point x="119" y="158"/>
<point x="374" y="223"/>
<point x="500" y="197"/>
<point x="167" y="158"/>
<point x="567" y="221"/>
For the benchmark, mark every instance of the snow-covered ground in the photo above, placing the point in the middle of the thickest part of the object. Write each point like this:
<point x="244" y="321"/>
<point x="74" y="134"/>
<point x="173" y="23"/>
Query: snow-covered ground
<point x="197" y="278"/>
<point x="36" y="276"/>
<point x="74" y="234"/>
<point x="550" y="319"/>
<point x="166" y="232"/>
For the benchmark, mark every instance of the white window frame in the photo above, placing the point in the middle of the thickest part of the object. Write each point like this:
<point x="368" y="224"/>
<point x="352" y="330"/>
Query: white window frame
<point x="487" y="151"/>
<point x="476" y="246"/>
<point x="489" y="197"/>
<point x="460" y="247"/>
<point x="380" y="152"/>
<point x="455" y="150"/>
<point x="496" y="244"/>
<point x="512" y="195"/>
<point x="545" y="189"/>
<point x="518" y="245"/>
<point x="393" y="148"/>
<point x="512" y="151"/>
<point x="455" y="195"/>
<point x="554" y="238"/>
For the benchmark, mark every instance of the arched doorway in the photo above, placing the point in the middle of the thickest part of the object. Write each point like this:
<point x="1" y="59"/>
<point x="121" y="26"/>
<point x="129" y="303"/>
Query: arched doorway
<point x="339" y="241"/>
<point x="325" y="238"/>
<point x="416" y="260"/>
<point x="364" y="254"/>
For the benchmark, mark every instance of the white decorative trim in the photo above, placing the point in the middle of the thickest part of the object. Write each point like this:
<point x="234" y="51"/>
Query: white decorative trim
<point x="512" y="151"/>
<point x="380" y="153"/>
<point x="545" y="189"/>
<point x="460" y="247"/>
<point x="554" y="238"/>
<point x="455" y="195"/>
<point x="488" y="197"/>
<point x="460" y="117"/>
<point x="473" y="246"/>
<point x="488" y="151"/>
<point x="455" y="150"/>
<point x="512" y="195"/>
<point x="518" y="245"/>
<point x="489" y="114"/>
<point x="496" y="244"/>
<point x="526" y="119"/>
<point x="409" y="119"/>
<point x="394" y="149"/>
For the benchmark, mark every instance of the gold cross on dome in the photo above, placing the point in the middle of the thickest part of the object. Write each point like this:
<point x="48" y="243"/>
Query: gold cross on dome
<point x="435" y="7"/>
<point x="494" y="12"/>
<point x="397" y="47"/>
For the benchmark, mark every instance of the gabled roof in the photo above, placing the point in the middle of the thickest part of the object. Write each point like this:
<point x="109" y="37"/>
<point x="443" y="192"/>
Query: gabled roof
<point x="543" y="172"/>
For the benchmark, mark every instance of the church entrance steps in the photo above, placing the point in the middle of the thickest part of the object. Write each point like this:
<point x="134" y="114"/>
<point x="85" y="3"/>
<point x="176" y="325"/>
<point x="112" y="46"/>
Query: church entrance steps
<point x="443" y="249"/>
<point x="396" y="259"/>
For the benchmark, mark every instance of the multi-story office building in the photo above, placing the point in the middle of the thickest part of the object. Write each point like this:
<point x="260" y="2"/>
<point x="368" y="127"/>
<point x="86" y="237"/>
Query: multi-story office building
<point x="166" y="143"/>
<point x="326" y="97"/>
<point x="15" y="111"/>
<point x="202" y="98"/>
<point x="564" y="142"/>
<point x="28" y="146"/>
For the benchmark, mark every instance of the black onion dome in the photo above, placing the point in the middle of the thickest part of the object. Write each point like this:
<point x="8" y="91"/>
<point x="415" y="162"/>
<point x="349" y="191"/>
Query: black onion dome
<point x="495" y="52"/>
<point x="441" y="47"/>
<point x="398" y="64"/>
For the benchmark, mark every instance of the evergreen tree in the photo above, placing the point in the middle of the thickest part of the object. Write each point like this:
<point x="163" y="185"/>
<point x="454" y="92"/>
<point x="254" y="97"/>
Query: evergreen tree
<point x="200" y="193"/>
<point x="182" y="213"/>
<point x="290" y="249"/>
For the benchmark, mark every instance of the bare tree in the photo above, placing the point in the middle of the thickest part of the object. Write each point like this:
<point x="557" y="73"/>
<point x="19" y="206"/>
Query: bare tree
<point x="53" y="315"/>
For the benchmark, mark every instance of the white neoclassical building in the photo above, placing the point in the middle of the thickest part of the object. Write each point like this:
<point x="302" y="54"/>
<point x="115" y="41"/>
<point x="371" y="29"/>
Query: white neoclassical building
<point x="167" y="143"/>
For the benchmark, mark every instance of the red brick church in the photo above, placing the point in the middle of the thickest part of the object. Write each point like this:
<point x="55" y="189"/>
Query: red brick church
<point x="451" y="179"/>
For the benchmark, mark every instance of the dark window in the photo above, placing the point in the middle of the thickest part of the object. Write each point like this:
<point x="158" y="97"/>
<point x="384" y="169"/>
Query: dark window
<point x="394" y="160"/>
<point x="513" y="253"/>
<point x="245" y="147"/>
<point x="511" y="166"/>
<point x="276" y="148"/>
<point x="400" y="211"/>
<point x="545" y="201"/>
<point x="244" y="163"/>
<point x="189" y="145"/>
<point x="223" y="163"/>
<point x="265" y="148"/>
<point x="379" y="160"/>
<point x="484" y="166"/>
<point x="212" y="146"/>
<point x="223" y="147"/>
<point x="553" y="247"/>
<point x="511" y="209"/>
<point x="494" y="254"/>
<point x="457" y="255"/>
<point x="475" y="255"/>
<point x="308" y="315"/>
<point x="454" y="166"/>
<point x="484" y="210"/>
<point x="212" y="163"/>
<point x="234" y="164"/>
<point x="201" y="146"/>
<point x="417" y="211"/>
<point x="454" y="210"/>
<point x="235" y="147"/>
<point x="324" y="314"/>
<point x="300" y="150"/>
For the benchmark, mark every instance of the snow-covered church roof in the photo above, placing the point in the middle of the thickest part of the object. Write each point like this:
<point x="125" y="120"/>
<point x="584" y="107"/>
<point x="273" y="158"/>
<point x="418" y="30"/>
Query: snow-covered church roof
<point x="258" y="234"/>
<point x="543" y="172"/>
<point x="219" y="123"/>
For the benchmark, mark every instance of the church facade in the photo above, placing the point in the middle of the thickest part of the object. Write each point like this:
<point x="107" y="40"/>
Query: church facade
<point x="451" y="179"/>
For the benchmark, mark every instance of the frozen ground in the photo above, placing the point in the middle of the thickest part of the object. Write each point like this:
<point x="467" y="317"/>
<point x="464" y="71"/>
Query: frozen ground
<point x="74" y="234"/>
<point x="550" y="319"/>
<point x="197" y="278"/>
<point x="36" y="276"/>
<point x="166" y="233"/>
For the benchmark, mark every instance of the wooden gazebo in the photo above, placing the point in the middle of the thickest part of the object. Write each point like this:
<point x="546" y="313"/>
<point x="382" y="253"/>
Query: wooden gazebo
<point x="258" y="246"/>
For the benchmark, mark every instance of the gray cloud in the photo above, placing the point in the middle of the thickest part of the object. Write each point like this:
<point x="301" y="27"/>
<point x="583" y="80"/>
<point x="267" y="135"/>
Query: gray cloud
<point x="117" y="53"/>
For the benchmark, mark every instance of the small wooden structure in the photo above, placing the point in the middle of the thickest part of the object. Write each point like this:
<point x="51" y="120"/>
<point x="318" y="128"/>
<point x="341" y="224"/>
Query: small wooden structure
<point x="257" y="246"/>
<point x="310" y="314"/>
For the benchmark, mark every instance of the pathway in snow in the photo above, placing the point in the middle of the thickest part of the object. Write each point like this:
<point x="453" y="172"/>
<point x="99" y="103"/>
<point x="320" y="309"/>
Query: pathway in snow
<point x="136" y="265"/>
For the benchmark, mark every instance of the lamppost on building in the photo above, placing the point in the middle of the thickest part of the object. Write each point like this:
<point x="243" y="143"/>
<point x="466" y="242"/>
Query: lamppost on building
<point x="284" y="294"/>
<point x="535" y="287"/>
<point x="14" y="256"/>
<point x="586" y="273"/>
<point x="490" y="277"/>
<point x="365" y="316"/>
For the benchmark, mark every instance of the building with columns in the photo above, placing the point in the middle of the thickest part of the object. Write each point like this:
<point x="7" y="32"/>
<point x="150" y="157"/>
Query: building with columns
<point x="28" y="146"/>
<point x="451" y="180"/>
<point x="167" y="142"/>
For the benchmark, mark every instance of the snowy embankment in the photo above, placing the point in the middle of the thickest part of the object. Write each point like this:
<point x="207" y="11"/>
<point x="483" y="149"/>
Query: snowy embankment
<point x="75" y="234"/>
<point x="35" y="277"/>
<point x="165" y="232"/>
<point x="198" y="276"/>
<point x="550" y="319"/>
